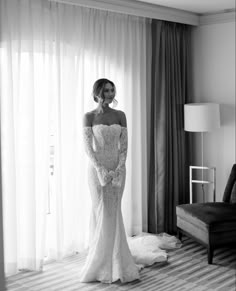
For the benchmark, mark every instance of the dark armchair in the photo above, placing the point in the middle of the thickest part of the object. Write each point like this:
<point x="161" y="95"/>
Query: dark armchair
<point x="213" y="224"/>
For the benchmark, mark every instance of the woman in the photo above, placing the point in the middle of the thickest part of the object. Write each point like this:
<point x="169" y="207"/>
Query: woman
<point x="105" y="135"/>
<point x="109" y="258"/>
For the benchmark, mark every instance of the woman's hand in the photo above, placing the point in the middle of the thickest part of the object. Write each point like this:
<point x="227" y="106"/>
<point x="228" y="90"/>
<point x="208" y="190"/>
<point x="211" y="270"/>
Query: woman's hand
<point x="103" y="176"/>
<point x="113" y="174"/>
<point x="116" y="178"/>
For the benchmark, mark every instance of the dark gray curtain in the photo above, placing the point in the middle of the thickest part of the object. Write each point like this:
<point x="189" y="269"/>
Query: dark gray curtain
<point x="169" y="145"/>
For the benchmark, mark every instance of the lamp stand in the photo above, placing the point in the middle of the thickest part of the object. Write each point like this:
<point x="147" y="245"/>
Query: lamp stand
<point x="203" y="192"/>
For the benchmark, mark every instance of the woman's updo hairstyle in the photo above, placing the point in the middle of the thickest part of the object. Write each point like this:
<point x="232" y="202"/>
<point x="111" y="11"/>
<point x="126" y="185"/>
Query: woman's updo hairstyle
<point x="98" y="88"/>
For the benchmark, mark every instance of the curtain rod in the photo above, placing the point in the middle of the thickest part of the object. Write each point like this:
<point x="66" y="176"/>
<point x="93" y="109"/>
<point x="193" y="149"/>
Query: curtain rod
<point x="137" y="8"/>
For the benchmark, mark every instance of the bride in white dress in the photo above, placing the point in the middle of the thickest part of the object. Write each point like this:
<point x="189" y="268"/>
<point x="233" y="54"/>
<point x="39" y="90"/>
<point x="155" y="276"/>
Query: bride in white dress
<point x="110" y="257"/>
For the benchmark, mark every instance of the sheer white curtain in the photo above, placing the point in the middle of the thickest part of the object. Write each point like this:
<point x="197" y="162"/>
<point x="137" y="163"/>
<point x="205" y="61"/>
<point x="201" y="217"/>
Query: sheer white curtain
<point x="51" y="54"/>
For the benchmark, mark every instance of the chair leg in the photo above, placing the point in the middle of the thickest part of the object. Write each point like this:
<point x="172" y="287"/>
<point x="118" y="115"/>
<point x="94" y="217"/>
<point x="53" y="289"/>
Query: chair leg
<point x="210" y="254"/>
<point x="179" y="234"/>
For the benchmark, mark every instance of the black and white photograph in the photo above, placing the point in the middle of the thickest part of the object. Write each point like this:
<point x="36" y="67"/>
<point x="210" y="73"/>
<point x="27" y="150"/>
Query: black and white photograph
<point x="117" y="145"/>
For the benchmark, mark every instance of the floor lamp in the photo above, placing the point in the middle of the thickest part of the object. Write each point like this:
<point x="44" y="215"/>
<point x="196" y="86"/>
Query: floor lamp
<point x="202" y="117"/>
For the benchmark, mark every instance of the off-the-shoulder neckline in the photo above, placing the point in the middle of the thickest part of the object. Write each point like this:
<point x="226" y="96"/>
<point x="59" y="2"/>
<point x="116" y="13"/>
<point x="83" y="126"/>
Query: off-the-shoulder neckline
<point x="108" y="125"/>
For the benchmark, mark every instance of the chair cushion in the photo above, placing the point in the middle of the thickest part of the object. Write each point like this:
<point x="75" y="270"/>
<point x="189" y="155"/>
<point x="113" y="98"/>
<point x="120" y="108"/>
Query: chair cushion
<point x="216" y="216"/>
<point x="233" y="194"/>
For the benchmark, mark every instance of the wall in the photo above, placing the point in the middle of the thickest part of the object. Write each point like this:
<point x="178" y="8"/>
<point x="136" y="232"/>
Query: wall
<point x="214" y="81"/>
<point x="2" y="279"/>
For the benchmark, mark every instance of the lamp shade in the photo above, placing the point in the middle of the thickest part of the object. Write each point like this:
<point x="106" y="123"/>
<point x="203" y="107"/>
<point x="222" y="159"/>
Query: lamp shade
<point x="201" y="117"/>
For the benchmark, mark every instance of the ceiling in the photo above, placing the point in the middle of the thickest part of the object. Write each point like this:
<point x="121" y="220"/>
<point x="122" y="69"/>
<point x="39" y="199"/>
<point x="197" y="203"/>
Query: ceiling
<point x="196" y="6"/>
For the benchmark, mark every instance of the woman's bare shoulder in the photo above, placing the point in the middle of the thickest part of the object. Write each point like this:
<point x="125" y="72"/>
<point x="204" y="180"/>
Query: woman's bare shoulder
<point x="88" y="118"/>
<point x="122" y="118"/>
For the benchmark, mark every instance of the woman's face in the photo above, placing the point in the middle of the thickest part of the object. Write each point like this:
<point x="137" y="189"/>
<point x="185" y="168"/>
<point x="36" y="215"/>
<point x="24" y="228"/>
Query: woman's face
<point x="108" y="93"/>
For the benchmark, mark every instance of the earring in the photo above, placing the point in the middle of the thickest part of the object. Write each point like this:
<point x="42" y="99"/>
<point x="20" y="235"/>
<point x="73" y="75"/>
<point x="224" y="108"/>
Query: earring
<point x="115" y="102"/>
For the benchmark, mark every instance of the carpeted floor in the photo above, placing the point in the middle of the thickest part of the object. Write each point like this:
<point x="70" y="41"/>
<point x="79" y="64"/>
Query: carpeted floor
<point x="186" y="269"/>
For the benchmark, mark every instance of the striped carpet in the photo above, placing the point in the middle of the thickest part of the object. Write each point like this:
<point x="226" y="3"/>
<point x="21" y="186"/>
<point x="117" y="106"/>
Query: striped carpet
<point x="187" y="269"/>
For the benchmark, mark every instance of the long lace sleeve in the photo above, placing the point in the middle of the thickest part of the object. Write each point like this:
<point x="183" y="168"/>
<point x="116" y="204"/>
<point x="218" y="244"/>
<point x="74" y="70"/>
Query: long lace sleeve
<point x="103" y="175"/>
<point x="122" y="157"/>
<point x="123" y="149"/>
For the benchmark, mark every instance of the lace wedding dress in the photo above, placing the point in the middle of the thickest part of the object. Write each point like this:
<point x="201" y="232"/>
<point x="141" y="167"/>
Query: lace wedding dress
<point x="111" y="257"/>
